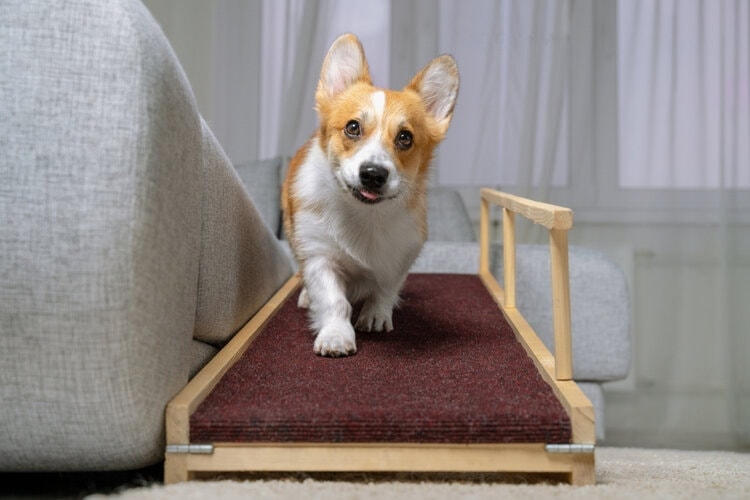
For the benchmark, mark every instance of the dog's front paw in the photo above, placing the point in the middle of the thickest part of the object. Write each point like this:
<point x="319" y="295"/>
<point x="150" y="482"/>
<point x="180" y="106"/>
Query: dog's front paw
<point x="374" y="318"/>
<point x="335" y="341"/>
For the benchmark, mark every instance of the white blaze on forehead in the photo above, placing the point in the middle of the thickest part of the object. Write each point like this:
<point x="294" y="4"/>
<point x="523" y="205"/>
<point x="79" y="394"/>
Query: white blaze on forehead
<point x="378" y="102"/>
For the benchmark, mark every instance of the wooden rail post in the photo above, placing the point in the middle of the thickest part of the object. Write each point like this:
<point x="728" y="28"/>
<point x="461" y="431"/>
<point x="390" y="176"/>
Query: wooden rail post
<point x="484" y="236"/>
<point x="558" y="246"/>
<point x="558" y="220"/>
<point x="509" y="258"/>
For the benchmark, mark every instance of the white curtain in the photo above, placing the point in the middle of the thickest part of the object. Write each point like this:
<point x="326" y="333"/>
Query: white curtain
<point x="268" y="55"/>
<point x="684" y="121"/>
<point x="513" y="100"/>
<point x="295" y="38"/>
<point x="513" y="60"/>
<point x="635" y="113"/>
<point x="684" y="73"/>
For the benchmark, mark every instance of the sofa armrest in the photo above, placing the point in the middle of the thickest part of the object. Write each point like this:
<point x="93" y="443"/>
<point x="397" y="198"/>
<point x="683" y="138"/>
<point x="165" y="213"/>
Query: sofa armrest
<point x="100" y="154"/>
<point x="112" y="212"/>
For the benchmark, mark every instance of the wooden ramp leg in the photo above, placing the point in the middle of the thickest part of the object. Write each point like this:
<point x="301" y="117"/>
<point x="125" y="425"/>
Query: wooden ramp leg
<point x="583" y="471"/>
<point x="176" y="468"/>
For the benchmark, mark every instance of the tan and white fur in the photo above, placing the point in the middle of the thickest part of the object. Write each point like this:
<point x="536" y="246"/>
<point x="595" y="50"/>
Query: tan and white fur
<point x="354" y="199"/>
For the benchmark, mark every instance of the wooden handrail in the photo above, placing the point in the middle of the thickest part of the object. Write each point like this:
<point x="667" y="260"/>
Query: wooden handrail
<point x="549" y="216"/>
<point x="558" y="220"/>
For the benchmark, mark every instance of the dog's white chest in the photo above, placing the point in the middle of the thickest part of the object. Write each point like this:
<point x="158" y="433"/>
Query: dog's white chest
<point x="385" y="239"/>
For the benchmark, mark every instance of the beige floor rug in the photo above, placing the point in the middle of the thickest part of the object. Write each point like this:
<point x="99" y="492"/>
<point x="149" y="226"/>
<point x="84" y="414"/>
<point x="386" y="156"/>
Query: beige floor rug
<point x="622" y="473"/>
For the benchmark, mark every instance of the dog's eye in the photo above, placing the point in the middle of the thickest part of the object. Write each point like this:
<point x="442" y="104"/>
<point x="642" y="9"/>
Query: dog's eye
<point x="404" y="140"/>
<point x="353" y="129"/>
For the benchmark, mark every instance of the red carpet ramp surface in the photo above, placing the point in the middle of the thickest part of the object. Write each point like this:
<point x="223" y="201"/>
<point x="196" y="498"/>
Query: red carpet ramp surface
<point x="452" y="371"/>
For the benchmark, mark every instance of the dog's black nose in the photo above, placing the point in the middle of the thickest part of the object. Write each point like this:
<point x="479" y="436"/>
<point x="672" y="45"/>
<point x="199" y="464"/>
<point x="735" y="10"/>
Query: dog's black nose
<point x="372" y="175"/>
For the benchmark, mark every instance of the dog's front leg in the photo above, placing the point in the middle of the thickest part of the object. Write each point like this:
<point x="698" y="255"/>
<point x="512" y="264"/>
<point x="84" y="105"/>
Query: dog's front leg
<point x="377" y="311"/>
<point x="376" y="315"/>
<point x="330" y="311"/>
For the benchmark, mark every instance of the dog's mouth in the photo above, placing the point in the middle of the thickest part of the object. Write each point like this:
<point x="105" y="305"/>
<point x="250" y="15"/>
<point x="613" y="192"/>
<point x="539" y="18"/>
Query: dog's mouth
<point x="367" y="196"/>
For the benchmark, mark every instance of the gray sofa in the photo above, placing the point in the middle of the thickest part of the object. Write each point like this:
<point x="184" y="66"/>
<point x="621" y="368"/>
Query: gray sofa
<point x="131" y="249"/>
<point x="600" y="300"/>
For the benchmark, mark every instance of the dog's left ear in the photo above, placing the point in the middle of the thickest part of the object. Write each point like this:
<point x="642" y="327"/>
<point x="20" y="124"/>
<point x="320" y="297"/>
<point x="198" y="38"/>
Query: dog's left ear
<point x="437" y="85"/>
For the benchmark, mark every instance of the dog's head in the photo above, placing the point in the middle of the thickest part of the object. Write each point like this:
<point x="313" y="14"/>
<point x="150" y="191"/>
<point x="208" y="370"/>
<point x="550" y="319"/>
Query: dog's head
<point x="380" y="142"/>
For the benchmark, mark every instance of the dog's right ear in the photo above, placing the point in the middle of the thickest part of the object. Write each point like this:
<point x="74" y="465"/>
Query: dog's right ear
<point x="344" y="65"/>
<point x="437" y="86"/>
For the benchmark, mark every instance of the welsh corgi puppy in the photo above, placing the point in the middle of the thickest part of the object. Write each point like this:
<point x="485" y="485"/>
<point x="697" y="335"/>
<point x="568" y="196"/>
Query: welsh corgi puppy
<point x="354" y="196"/>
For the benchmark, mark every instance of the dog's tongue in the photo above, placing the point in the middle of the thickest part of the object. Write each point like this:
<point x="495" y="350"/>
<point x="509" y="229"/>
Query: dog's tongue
<point x="369" y="195"/>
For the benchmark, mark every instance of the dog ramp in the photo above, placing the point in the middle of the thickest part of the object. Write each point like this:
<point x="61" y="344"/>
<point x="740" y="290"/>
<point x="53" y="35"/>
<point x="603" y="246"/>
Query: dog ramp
<point x="460" y="385"/>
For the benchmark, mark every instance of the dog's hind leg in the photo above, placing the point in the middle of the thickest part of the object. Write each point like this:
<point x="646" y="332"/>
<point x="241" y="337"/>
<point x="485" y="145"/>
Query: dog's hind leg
<point x="303" y="302"/>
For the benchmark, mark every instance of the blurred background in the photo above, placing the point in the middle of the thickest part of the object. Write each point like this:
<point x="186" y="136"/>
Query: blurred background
<point x="636" y="114"/>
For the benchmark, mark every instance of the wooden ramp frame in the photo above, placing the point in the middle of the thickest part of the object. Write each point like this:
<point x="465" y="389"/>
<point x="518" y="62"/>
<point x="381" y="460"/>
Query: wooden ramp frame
<point x="185" y="459"/>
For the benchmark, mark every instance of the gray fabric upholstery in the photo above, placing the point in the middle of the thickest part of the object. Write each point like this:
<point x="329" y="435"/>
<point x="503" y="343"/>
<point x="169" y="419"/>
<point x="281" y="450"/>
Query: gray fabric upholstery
<point x="599" y="304"/>
<point x="594" y="392"/>
<point x="447" y="218"/>
<point x="448" y="257"/>
<point x="242" y="263"/>
<point x="200" y="354"/>
<point x="120" y="234"/>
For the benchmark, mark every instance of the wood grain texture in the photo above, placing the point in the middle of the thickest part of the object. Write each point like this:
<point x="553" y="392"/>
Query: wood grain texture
<point x="549" y="216"/>
<point x="313" y="457"/>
